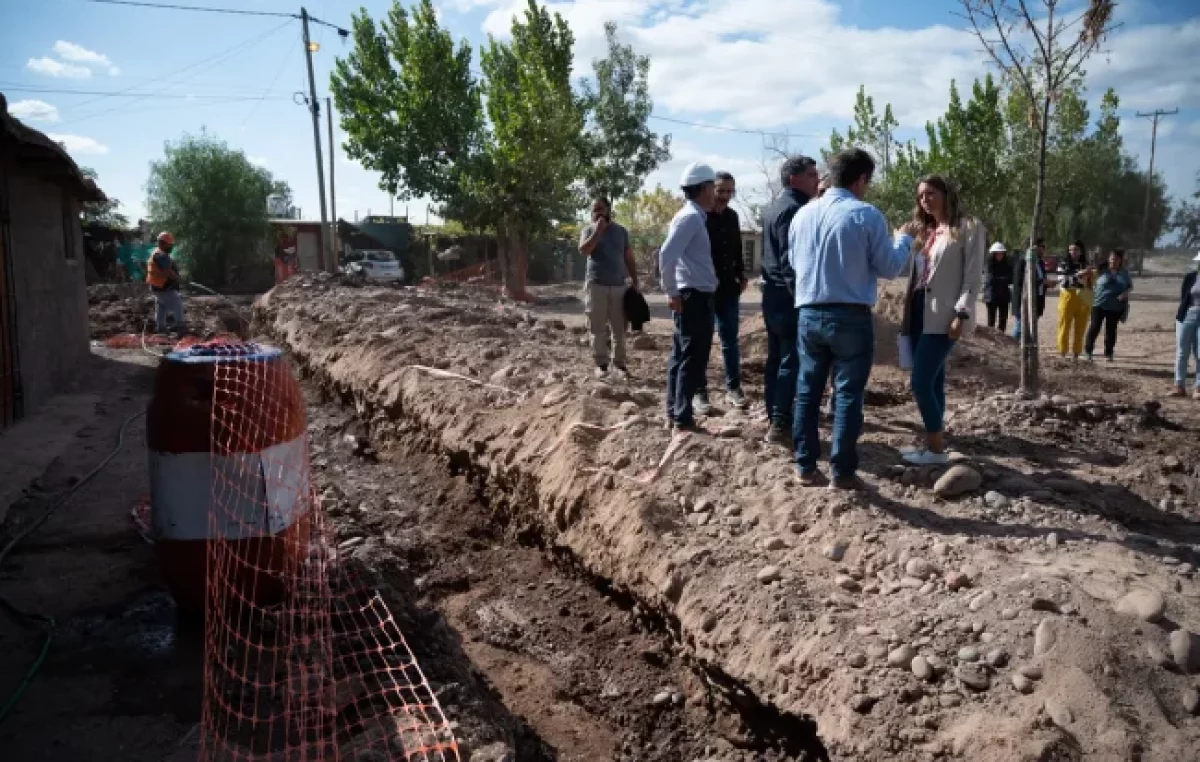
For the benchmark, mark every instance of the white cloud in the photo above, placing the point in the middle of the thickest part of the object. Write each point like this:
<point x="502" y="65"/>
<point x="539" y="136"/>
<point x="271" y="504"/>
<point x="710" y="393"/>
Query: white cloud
<point x="258" y="161"/>
<point x="79" y="144"/>
<point x="69" y="51"/>
<point x="34" y="111"/>
<point x="51" y="67"/>
<point x="760" y="64"/>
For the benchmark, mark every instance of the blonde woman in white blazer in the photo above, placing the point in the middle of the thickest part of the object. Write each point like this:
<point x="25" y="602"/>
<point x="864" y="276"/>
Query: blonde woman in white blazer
<point x="943" y="286"/>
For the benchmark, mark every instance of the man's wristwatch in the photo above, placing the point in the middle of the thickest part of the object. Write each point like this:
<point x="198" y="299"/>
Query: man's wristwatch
<point x="963" y="315"/>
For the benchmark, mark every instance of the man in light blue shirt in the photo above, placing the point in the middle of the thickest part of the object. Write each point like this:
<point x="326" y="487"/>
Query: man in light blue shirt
<point x="690" y="281"/>
<point x="839" y="246"/>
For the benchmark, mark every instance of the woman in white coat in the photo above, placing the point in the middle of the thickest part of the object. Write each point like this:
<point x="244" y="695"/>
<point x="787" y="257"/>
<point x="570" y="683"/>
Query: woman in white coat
<point x="943" y="287"/>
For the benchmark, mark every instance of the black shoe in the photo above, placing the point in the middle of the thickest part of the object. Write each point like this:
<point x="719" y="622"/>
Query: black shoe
<point x="810" y="478"/>
<point x="777" y="435"/>
<point x="845" y="483"/>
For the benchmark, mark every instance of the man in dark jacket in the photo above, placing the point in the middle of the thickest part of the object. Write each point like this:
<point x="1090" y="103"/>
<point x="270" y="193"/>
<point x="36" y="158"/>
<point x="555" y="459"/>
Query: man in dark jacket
<point x="725" y="237"/>
<point x="800" y="178"/>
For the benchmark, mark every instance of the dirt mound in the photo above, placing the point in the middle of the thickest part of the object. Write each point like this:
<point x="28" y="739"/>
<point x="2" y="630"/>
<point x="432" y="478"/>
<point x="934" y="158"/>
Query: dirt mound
<point x="126" y="309"/>
<point x="1019" y="605"/>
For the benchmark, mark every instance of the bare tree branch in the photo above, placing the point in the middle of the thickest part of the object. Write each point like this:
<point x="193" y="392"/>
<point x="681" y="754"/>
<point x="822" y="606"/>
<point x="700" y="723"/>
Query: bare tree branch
<point x="1044" y="45"/>
<point x="1016" y="61"/>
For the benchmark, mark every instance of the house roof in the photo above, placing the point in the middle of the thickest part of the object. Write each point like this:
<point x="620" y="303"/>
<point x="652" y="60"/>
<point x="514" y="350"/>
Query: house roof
<point x="38" y="149"/>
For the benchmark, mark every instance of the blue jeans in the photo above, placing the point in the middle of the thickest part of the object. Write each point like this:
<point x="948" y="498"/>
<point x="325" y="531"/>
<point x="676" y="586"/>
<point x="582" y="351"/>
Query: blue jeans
<point x="930" y="352"/>
<point x="690" y="349"/>
<point x="1187" y="346"/>
<point x="779" y="386"/>
<point x="838" y="338"/>
<point x="726" y="308"/>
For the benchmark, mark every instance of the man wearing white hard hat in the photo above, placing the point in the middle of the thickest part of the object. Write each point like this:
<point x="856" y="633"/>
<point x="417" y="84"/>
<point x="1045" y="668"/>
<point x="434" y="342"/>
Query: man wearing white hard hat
<point x="997" y="286"/>
<point x="689" y="280"/>
<point x="1187" y="332"/>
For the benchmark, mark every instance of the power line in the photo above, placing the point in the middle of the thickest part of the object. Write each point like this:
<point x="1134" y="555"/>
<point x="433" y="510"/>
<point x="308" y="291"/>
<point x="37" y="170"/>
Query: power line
<point x="741" y="130"/>
<point x="172" y="7"/>
<point x="128" y="94"/>
<point x="227" y="11"/>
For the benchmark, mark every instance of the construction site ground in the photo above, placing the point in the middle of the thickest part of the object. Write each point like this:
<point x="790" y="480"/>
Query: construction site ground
<point x="573" y="597"/>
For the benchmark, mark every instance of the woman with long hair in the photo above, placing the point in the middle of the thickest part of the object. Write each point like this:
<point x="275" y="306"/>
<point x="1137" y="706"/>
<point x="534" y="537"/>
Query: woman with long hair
<point x="1111" y="304"/>
<point x="1075" y="297"/>
<point x="943" y="286"/>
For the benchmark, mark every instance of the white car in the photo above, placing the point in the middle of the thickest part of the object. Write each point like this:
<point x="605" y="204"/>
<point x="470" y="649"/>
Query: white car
<point x="375" y="264"/>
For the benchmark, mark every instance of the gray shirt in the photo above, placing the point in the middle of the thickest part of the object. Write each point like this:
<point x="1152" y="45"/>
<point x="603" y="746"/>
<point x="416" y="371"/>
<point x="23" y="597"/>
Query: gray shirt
<point x="685" y="258"/>
<point x="606" y="265"/>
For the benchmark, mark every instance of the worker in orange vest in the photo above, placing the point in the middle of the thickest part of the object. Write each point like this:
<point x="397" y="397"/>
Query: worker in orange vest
<point x="163" y="276"/>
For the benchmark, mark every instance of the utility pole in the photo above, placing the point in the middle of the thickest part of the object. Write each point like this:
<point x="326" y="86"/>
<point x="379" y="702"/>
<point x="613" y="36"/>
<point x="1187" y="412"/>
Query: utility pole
<point x="314" y="106"/>
<point x="1154" y="116"/>
<point x="333" y="233"/>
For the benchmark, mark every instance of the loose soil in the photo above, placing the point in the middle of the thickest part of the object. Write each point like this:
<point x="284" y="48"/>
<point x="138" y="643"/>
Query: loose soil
<point x="796" y="613"/>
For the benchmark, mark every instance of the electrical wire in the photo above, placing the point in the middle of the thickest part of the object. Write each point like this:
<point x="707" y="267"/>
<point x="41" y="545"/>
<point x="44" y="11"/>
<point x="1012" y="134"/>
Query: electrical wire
<point x="228" y="11"/>
<point x="173" y="7"/>
<point x="127" y="94"/>
<point x="206" y="64"/>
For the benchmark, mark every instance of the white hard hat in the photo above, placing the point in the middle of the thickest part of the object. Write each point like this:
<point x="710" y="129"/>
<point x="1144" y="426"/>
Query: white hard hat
<point x="997" y="246"/>
<point x="697" y="173"/>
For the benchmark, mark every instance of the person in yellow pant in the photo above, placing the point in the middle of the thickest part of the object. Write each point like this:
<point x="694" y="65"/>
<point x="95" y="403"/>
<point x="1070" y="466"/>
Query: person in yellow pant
<point x="1075" y="281"/>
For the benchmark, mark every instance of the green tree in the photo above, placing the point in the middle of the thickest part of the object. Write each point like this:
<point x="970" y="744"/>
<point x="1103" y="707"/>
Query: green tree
<point x="102" y="212"/>
<point x="409" y="104"/>
<point x="214" y="201"/>
<point x="646" y="215"/>
<point x="517" y="167"/>
<point x="620" y="148"/>
<point x="1186" y="220"/>
<point x="537" y="121"/>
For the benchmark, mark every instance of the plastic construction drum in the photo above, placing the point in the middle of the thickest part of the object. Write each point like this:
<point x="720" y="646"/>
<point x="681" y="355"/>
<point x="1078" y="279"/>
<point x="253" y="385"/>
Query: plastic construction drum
<point x="229" y="475"/>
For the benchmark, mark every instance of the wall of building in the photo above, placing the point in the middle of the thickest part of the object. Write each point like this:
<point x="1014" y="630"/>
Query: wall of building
<point x="48" y="273"/>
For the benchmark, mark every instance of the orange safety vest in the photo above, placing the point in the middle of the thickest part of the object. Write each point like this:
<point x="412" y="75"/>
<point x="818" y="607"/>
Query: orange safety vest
<point x="156" y="276"/>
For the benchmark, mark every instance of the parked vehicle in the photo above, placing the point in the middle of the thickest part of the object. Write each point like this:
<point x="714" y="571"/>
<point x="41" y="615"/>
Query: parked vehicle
<point x="375" y="264"/>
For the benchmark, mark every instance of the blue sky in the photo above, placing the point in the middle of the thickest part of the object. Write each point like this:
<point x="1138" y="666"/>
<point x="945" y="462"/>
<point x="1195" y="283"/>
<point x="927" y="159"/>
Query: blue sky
<point x="752" y="64"/>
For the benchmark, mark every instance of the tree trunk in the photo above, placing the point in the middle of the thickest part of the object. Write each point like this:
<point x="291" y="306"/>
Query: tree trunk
<point x="1029" y="332"/>
<point x="513" y="248"/>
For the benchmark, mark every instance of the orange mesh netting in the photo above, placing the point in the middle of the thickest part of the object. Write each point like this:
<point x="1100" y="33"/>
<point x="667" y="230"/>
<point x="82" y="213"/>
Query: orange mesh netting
<point x="303" y="661"/>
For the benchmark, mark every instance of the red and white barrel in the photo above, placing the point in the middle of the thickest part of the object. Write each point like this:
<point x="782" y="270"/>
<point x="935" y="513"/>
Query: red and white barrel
<point x="230" y="484"/>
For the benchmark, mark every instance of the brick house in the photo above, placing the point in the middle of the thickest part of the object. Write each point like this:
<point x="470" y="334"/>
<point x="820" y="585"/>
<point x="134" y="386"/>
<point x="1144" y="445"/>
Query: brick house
<point x="43" y="298"/>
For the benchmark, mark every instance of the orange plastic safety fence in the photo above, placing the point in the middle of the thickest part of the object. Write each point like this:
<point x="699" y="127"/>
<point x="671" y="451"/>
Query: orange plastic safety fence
<point x="302" y="660"/>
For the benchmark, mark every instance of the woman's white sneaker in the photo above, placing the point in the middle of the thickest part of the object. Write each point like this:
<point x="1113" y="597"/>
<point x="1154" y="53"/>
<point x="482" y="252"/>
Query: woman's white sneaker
<point x="927" y="458"/>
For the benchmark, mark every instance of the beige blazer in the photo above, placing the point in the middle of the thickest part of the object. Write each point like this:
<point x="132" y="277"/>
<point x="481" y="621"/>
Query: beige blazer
<point x="955" y="281"/>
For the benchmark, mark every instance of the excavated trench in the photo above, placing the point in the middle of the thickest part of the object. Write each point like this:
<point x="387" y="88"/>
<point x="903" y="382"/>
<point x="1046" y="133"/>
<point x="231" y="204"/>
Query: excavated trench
<point x="710" y="715"/>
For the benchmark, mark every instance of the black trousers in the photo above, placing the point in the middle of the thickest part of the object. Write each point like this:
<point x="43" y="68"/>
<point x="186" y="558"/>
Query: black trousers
<point x="690" y="349"/>
<point x="1110" y="320"/>
<point x="998" y="310"/>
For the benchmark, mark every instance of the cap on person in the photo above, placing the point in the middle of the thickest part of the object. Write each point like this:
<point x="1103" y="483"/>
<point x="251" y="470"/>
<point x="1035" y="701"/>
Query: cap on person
<point x="167" y="238"/>
<point x="695" y="174"/>
<point x="997" y="246"/>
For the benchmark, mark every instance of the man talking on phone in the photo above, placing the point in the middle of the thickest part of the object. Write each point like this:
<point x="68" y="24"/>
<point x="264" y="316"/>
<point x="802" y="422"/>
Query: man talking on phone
<point x="609" y="263"/>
